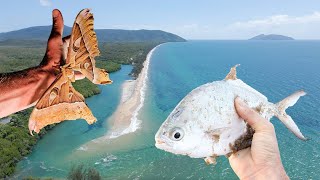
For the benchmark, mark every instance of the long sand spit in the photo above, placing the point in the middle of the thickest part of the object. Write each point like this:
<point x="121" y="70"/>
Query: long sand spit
<point x="125" y="118"/>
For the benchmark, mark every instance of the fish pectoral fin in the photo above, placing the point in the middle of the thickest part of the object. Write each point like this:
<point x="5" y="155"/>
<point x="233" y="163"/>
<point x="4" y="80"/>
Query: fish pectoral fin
<point x="210" y="160"/>
<point x="232" y="75"/>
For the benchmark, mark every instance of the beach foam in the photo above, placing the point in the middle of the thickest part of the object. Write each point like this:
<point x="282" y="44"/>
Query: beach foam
<point x="82" y="148"/>
<point x="133" y="91"/>
<point x="107" y="160"/>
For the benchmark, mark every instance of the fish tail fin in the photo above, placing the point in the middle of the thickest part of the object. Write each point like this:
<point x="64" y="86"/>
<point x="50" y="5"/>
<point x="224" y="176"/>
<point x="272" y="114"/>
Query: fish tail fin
<point x="284" y="117"/>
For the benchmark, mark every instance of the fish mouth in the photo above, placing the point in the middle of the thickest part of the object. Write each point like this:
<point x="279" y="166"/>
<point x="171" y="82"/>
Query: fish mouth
<point x="162" y="146"/>
<point x="159" y="143"/>
<point x="163" y="143"/>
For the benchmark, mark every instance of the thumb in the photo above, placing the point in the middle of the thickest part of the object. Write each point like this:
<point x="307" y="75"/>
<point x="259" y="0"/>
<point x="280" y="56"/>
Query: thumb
<point x="57" y="23"/>
<point x="253" y="118"/>
<point x="54" y="57"/>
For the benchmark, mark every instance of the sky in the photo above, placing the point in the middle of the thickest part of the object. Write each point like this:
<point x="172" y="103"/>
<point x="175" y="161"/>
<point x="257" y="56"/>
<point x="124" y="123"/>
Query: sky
<point x="202" y="19"/>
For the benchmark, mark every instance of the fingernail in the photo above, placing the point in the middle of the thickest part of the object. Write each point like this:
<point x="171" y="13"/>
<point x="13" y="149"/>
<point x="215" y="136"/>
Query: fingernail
<point x="240" y="102"/>
<point x="55" y="13"/>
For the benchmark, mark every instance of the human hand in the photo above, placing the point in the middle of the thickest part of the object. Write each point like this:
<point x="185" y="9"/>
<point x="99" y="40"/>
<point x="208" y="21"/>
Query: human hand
<point x="57" y="48"/>
<point x="22" y="89"/>
<point x="261" y="160"/>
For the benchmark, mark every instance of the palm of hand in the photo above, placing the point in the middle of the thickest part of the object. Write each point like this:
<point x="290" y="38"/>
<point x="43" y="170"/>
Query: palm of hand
<point x="262" y="159"/>
<point x="262" y="155"/>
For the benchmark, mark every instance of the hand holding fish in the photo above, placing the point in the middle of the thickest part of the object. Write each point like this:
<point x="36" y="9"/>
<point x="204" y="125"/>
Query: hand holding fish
<point x="261" y="160"/>
<point x="205" y="123"/>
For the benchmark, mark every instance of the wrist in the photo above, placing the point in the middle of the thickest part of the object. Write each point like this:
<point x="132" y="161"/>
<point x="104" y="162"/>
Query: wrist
<point x="21" y="89"/>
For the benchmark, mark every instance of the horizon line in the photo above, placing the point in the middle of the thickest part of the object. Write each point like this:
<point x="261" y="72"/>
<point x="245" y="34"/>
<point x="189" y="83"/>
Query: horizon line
<point x="188" y="39"/>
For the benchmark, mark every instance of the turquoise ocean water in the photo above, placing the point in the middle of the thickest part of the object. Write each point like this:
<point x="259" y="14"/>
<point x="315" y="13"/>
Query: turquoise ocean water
<point x="275" y="68"/>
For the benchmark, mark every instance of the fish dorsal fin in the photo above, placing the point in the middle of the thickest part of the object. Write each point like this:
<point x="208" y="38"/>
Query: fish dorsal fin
<point x="233" y="73"/>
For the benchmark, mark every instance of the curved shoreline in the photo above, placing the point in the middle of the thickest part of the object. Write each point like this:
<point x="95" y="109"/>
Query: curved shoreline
<point x="125" y="119"/>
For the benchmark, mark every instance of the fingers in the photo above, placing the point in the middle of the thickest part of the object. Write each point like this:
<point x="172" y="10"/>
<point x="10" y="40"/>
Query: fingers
<point x="257" y="122"/>
<point x="57" y="23"/>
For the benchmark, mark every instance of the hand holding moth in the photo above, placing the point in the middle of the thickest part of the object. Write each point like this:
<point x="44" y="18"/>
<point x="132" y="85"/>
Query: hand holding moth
<point x="50" y="84"/>
<point x="22" y="89"/>
<point x="61" y="101"/>
<point x="262" y="159"/>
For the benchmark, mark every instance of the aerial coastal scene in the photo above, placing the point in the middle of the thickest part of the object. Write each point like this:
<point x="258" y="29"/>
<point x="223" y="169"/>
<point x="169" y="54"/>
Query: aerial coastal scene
<point x="158" y="62"/>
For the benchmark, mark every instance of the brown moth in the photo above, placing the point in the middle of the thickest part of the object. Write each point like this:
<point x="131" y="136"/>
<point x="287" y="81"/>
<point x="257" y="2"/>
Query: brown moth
<point x="61" y="101"/>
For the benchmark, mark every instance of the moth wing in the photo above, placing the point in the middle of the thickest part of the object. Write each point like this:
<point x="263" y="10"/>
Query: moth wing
<point x="83" y="47"/>
<point x="59" y="102"/>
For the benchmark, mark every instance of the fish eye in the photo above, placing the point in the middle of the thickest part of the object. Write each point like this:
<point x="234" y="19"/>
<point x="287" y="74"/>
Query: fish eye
<point x="176" y="134"/>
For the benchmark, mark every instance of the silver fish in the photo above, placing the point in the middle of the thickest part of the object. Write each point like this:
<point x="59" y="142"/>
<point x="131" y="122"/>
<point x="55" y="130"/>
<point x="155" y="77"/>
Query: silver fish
<point x="205" y="123"/>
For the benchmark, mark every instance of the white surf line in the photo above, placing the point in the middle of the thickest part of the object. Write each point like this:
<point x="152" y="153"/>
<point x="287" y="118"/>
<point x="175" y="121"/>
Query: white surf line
<point x="135" y="122"/>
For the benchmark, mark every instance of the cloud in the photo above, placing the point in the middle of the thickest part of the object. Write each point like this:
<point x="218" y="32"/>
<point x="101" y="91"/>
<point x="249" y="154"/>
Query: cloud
<point x="279" y="20"/>
<point x="299" y="27"/>
<point x="45" y="3"/>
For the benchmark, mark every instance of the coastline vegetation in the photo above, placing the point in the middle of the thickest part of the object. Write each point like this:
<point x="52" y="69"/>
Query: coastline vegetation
<point x="81" y="173"/>
<point x="133" y="53"/>
<point x="15" y="140"/>
<point x="78" y="172"/>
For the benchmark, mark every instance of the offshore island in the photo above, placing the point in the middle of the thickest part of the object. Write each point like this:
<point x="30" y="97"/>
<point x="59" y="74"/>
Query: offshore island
<point x="271" y="37"/>
<point x="25" y="48"/>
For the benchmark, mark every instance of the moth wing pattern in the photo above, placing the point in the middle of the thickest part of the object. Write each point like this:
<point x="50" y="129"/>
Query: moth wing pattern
<point x="58" y="103"/>
<point x="83" y="48"/>
<point x="61" y="101"/>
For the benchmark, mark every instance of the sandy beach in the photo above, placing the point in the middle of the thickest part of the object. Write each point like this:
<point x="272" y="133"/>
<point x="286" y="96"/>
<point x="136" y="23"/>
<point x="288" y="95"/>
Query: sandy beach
<point x="125" y="119"/>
